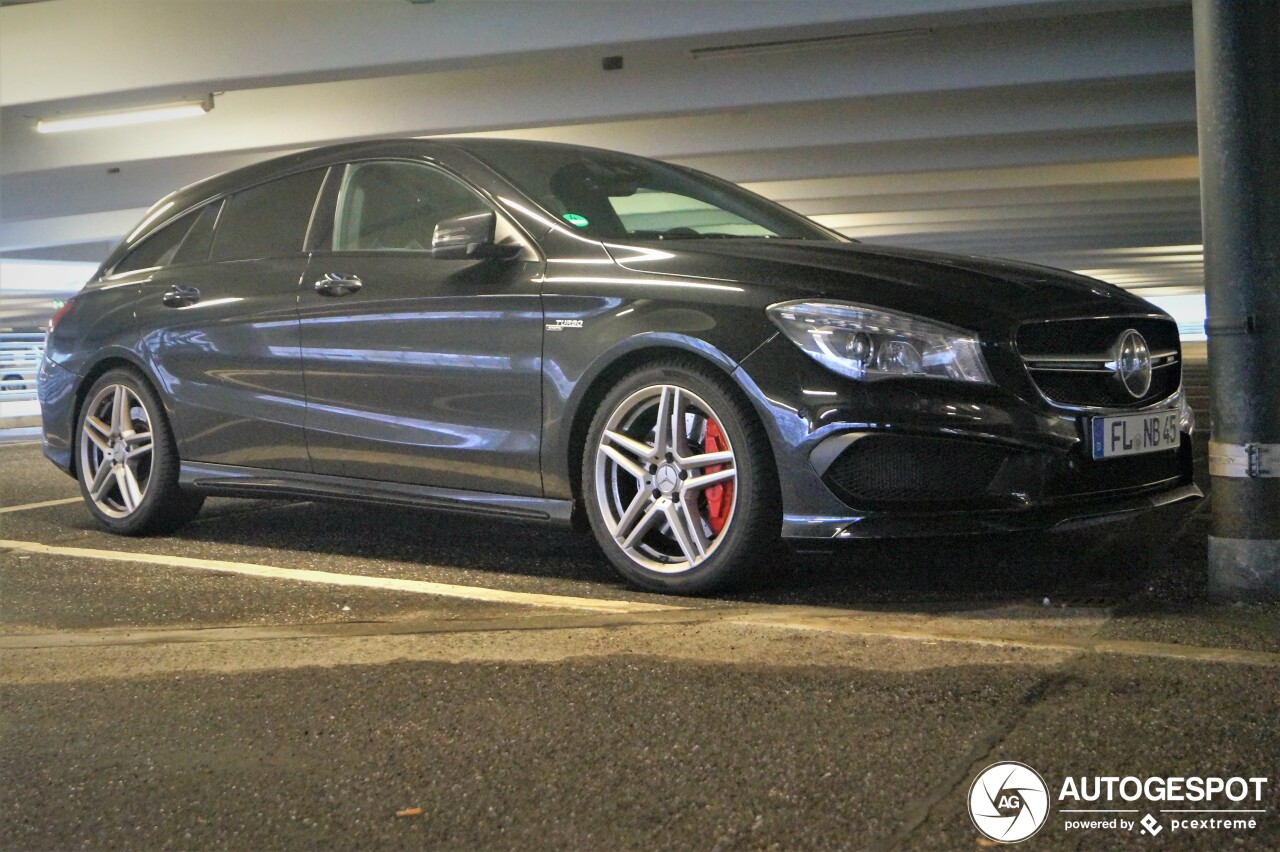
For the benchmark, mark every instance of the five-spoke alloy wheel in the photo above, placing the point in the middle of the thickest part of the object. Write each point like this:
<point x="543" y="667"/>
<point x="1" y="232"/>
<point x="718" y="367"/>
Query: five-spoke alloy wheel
<point x="127" y="459"/>
<point x="676" y="480"/>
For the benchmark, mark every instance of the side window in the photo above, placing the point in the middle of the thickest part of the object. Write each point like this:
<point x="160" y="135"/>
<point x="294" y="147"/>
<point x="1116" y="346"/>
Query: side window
<point x="395" y="206"/>
<point x="196" y="244"/>
<point x="267" y="220"/>
<point x="159" y="248"/>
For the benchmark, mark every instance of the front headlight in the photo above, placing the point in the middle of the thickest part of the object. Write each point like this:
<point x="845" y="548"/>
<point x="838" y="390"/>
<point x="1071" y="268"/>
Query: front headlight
<point x="867" y="344"/>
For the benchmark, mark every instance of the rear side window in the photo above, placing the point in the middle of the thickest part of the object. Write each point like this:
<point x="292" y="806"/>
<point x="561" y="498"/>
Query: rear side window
<point x="159" y="248"/>
<point x="396" y="206"/>
<point x="268" y="220"/>
<point x="199" y="239"/>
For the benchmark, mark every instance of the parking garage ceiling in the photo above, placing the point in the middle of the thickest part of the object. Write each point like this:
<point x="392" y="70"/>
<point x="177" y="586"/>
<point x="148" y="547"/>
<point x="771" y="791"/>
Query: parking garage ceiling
<point x="1057" y="132"/>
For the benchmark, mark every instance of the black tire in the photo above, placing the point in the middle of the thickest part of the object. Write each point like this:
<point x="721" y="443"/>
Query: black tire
<point x="652" y="501"/>
<point x="127" y="460"/>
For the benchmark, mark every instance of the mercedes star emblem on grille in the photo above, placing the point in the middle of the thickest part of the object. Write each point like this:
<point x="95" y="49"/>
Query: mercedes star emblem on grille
<point x="1133" y="363"/>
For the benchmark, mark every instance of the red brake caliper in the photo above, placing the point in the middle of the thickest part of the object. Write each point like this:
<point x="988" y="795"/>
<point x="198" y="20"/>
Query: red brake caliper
<point x="720" y="495"/>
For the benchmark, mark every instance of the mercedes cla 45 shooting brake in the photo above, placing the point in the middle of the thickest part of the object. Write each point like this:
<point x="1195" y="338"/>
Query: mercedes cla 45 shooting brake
<point x="550" y="332"/>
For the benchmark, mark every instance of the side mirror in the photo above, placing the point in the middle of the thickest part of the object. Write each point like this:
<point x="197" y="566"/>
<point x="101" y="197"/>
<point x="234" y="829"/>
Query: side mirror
<point x="469" y="237"/>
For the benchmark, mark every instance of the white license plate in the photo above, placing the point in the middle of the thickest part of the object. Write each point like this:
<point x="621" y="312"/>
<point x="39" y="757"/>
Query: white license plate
<point x="1132" y="434"/>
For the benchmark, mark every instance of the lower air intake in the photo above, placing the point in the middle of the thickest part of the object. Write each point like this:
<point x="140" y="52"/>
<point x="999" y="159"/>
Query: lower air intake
<point x="900" y="469"/>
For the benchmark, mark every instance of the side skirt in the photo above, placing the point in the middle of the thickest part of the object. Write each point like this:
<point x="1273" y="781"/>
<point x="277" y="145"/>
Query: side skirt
<point x="232" y="481"/>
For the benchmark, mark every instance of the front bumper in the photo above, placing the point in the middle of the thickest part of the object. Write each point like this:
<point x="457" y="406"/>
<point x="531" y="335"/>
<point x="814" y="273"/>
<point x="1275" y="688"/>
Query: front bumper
<point x="922" y="457"/>
<point x="925" y="524"/>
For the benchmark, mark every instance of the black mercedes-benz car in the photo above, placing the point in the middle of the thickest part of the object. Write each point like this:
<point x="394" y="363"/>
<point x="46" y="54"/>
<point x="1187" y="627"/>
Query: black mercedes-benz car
<point x="552" y="333"/>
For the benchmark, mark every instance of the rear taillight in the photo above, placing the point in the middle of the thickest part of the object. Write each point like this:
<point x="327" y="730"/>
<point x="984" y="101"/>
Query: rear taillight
<point x="60" y="313"/>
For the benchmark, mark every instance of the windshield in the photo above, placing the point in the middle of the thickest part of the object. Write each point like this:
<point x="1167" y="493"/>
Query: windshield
<point x="608" y="195"/>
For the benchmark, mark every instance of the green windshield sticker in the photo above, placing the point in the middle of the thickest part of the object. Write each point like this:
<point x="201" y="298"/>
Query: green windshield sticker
<point x="576" y="220"/>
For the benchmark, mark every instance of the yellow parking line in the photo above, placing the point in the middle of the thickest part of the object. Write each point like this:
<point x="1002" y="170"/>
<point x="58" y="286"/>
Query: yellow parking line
<point x="476" y="593"/>
<point x="25" y="506"/>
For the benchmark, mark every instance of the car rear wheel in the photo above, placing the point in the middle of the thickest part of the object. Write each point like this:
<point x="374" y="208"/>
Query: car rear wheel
<point x="678" y="481"/>
<point x="128" y="460"/>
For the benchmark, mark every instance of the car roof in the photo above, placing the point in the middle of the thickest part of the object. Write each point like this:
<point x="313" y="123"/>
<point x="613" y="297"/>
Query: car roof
<point x="188" y="197"/>
<point x="246" y="176"/>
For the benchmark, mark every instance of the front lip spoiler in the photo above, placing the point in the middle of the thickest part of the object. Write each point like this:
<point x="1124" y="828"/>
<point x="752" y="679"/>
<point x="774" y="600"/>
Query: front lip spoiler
<point x="875" y="525"/>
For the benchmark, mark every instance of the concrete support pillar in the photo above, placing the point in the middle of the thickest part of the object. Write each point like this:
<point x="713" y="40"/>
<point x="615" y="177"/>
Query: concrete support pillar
<point x="1237" y="44"/>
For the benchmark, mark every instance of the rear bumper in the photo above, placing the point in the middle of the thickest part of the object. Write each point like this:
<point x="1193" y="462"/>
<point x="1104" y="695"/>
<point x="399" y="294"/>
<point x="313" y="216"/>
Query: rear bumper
<point x="56" y="390"/>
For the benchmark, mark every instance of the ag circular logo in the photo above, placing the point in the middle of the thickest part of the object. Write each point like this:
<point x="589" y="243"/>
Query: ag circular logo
<point x="1133" y="363"/>
<point x="1008" y="802"/>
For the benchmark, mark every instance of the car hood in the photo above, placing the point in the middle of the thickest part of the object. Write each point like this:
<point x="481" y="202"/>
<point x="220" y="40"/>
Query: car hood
<point x="973" y="292"/>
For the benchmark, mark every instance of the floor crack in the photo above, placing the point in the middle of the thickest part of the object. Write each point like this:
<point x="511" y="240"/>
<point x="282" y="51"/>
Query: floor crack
<point x="977" y="757"/>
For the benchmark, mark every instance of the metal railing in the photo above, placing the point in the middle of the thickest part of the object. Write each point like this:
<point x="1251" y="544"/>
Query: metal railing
<point x="19" y="362"/>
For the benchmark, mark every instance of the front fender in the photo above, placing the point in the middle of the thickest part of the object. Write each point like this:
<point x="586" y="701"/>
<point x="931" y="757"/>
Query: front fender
<point x="590" y="342"/>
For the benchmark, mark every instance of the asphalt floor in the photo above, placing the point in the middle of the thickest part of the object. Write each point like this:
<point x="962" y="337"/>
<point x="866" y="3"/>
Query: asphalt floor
<point x="305" y="675"/>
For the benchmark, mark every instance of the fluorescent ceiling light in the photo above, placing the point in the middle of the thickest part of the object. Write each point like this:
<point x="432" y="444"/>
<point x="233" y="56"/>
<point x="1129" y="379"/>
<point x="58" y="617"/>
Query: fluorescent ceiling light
<point x="123" y="117"/>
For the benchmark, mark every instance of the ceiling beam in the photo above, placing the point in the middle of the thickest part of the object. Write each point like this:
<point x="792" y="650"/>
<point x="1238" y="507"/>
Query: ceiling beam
<point x="657" y="83"/>
<point x="288" y="42"/>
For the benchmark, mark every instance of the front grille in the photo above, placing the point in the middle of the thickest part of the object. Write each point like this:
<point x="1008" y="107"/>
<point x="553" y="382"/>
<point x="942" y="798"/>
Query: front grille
<point x="899" y="469"/>
<point x="1072" y="361"/>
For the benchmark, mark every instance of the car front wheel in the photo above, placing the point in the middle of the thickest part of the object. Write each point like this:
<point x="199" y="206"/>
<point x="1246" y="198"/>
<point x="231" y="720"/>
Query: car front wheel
<point x="678" y="481"/>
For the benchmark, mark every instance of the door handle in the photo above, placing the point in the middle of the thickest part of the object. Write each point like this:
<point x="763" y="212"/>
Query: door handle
<point x="180" y="297"/>
<point x="338" y="284"/>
